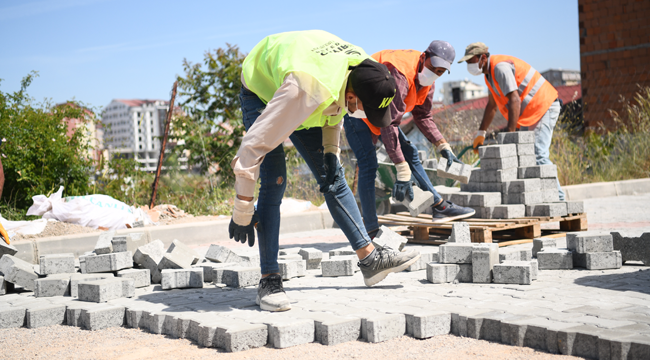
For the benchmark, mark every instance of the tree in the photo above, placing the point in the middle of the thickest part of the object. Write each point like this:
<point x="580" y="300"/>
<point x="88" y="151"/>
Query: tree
<point x="212" y="127"/>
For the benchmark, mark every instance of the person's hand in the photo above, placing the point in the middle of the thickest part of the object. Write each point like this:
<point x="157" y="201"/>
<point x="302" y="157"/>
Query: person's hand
<point x="243" y="233"/>
<point x="403" y="189"/>
<point x="479" y="138"/>
<point x="331" y="163"/>
<point x="451" y="158"/>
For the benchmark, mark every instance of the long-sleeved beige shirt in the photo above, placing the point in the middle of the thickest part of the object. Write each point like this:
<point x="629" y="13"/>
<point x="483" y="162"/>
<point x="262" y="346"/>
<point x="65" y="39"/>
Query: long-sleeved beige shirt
<point x="297" y="98"/>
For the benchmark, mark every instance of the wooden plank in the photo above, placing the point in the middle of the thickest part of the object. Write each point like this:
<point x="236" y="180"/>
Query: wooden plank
<point x="426" y="242"/>
<point x="481" y="235"/>
<point x="579" y="224"/>
<point x="553" y="236"/>
<point x="514" y="242"/>
<point x="529" y="232"/>
<point x="420" y="233"/>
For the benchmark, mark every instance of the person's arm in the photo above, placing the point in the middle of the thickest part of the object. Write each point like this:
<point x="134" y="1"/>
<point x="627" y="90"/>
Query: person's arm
<point x="504" y="75"/>
<point x="424" y="120"/>
<point x="332" y="138"/>
<point x="488" y="115"/>
<point x="390" y="133"/>
<point x="514" y="107"/>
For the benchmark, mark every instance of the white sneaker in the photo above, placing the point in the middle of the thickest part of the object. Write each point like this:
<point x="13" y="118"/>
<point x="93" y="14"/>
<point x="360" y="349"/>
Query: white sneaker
<point x="271" y="295"/>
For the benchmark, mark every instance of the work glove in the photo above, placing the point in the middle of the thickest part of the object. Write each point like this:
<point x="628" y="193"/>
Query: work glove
<point x="479" y="138"/>
<point x="451" y="158"/>
<point x="403" y="189"/>
<point x="331" y="163"/>
<point x="244" y="221"/>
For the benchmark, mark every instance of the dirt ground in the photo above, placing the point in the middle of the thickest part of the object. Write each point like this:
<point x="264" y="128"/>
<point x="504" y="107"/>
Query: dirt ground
<point x="57" y="228"/>
<point x="67" y="342"/>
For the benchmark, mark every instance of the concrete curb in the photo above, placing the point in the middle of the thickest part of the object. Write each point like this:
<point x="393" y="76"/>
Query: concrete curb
<point x="607" y="189"/>
<point x="197" y="233"/>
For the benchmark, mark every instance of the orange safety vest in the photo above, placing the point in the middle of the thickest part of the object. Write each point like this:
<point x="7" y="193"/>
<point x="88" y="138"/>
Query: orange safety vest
<point x="536" y="94"/>
<point x="406" y="62"/>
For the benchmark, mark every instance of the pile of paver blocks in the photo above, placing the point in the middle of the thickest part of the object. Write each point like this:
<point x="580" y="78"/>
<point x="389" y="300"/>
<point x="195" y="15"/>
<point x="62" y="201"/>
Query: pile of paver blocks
<point x="510" y="185"/>
<point x="633" y="248"/>
<point x="584" y="250"/>
<point x="460" y="260"/>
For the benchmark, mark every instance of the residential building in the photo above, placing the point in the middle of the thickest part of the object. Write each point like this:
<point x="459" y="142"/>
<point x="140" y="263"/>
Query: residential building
<point x="561" y="77"/>
<point x="92" y="132"/>
<point x="462" y="90"/>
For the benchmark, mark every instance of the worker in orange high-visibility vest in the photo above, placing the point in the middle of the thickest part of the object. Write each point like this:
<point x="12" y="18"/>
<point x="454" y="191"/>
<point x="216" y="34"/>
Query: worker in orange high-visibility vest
<point x="521" y="94"/>
<point x="415" y="73"/>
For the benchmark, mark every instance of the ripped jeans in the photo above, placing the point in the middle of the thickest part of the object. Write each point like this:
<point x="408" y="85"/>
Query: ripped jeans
<point x="273" y="174"/>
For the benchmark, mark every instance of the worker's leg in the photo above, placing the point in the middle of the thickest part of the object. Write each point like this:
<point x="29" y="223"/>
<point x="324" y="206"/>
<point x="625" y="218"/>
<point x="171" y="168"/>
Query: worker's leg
<point x="360" y="140"/>
<point x="411" y="155"/>
<point x="543" y="137"/>
<point x="340" y="201"/>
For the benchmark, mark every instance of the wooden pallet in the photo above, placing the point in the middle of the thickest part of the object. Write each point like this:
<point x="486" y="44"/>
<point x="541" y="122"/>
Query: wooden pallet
<point x="483" y="230"/>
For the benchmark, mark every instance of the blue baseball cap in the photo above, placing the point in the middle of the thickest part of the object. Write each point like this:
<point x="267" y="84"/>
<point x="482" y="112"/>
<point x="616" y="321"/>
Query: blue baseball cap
<point x="441" y="53"/>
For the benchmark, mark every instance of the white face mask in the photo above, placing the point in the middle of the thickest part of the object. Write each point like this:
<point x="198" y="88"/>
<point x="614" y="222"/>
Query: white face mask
<point x="359" y="114"/>
<point x="427" y="77"/>
<point x="474" y="69"/>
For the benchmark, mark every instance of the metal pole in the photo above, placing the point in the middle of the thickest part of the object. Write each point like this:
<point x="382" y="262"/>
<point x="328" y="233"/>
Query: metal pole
<point x="154" y="186"/>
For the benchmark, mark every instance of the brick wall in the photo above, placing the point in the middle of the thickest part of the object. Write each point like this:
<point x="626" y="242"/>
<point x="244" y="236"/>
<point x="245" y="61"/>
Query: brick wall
<point x="614" y="54"/>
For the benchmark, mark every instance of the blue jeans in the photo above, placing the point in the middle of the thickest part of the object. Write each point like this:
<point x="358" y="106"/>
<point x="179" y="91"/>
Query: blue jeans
<point x="543" y="135"/>
<point x="273" y="174"/>
<point x="360" y="140"/>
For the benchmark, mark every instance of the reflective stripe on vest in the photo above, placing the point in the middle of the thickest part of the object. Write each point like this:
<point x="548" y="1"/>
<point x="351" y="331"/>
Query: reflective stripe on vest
<point x="536" y="94"/>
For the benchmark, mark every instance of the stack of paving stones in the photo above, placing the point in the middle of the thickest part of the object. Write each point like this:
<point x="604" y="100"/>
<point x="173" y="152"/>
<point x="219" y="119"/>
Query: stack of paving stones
<point x="633" y="248"/>
<point x="584" y="250"/>
<point x="510" y="185"/>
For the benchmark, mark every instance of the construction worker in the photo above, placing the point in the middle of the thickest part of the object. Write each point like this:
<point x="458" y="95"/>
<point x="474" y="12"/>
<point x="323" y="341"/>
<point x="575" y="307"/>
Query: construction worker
<point x="415" y="73"/>
<point x="298" y="85"/>
<point x="521" y="94"/>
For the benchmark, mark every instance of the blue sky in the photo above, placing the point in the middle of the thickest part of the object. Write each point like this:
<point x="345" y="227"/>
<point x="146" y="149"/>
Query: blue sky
<point x="98" y="50"/>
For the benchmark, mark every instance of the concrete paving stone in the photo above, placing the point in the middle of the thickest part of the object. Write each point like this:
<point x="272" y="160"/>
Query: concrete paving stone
<point x="73" y="311"/>
<point x="500" y="164"/>
<point x="312" y="256"/>
<point x="550" y="183"/>
<point x="6" y="249"/>
<point x="45" y="315"/>
<point x="492" y="328"/>
<point x="149" y="256"/>
<point x="108" y="262"/>
<point x="546" y="209"/>
<point x="342" y="251"/>
<point x="104" y="244"/>
<point x="430" y="164"/>
<point x="241" y="277"/>
<point x="103" y="317"/>
<point x="141" y="277"/>
<point x="290" y="251"/>
<point x="514" y="254"/>
<point x="494" y="176"/>
<point x="543" y="243"/>
<point x="128" y="287"/>
<point x="422" y="200"/>
<point x="632" y="248"/>
<point x="600" y="322"/>
<point x="5" y="287"/>
<point x="217" y="273"/>
<point x="598" y="260"/>
<point x="534" y="266"/>
<point x="520" y="186"/>
<point x="484" y="257"/>
<point x="527" y="160"/>
<point x="555" y="259"/>
<point x="512" y="274"/>
<point x="639" y="347"/>
<point x="504" y="211"/>
<point x="579" y="341"/>
<point x="222" y="254"/>
<point x="461" y="198"/>
<point x="484" y="199"/>
<point x="178" y="246"/>
<point x="526" y="198"/>
<point x="474" y="323"/>
<point x="513" y="329"/>
<point x="497" y="151"/>
<point x="583" y="243"/>
<point x="240" y="337"/>
<point x="176" y="260"/>
<point x="490" y="187"/>
<point x="525" y="149"/>
<point x="56" y="264"/>
<point x="52" y="285"/>
<point x="11" y="317"/>
<point x="75" y="279"/>
<point x="438" y="273"/>
<point x="474" y="176"/>
<point x="575" y="207"/>
<point x="290" y="332"/>
<point x="459" y="319"/>
<point x="332" y="330"/>
<point x="427" y="255"/>
<point x="537" y="171"/>
<point x="457" y="171"/>
<point x="290" y="269"/>
<point x="460" y="233"/>
<point x="388" y="238"/>
<point x="550" y="195"/>
<point x="427" y="323"/>
<point x="455" y="253"/>
<point x="470" y="187"/>
<point x="208" y="267"/>
<point x="383" y="327"/>
<point x="614" y="345"/>
<point x="100" y="290"/>
<point x="338" y="266"/>
<point x="516" y="137"/>
<point x="18" y="271"/>
<point x="119" y="243"/>
<point x="207" y="335"/>
<point x="181" y="278"/>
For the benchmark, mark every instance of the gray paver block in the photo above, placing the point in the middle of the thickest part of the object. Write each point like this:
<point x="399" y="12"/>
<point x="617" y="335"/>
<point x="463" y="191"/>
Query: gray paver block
<point x="339" y="266"/>
<point x="335" y="330"/>
<point x="141" y="277"/>
<point x="45" y="315"/>
<point x="527" y="160"/>
<point x="242" y="277"/>
<point x="178" y="246"/>
<point x="494" y="176"/>
<point x="421" y="201"/>
<point x="222" y="254"/>
<point x="490" y="187"/>
<point x="526" y="198"/>
<point x="461" y="198"/>
<point x="290" y="269"/>
<point x="208" y="268"/>
<point x="428" y="324"/>
<point x="6" y="249"/>
<point x="430" y="164"/>
<point x="217" y="273"/>
<point x="460" y="233"/>
<point x="119" y="243"/>
<point x="582" y="243"/>
<point x="525" y="149"/>
<point x="550" y="195"/>
<point x="456" y="171"/>
<point x="388" y="238"/>
<point x="506" y="254"/>
<point x="504" y="211"/>
<point x="497" y="151"/>
<point x="516" y="137"/>
<point x="499" y="164"/>
<point x="291" y="332"/>
<point x="511" y="273"/>
<point x="484" y="199"/>
<point x="75" y="279"/>
<point x="108" y="262"/>
<point x="290" y="251"/>
<point x="537" y="171"/>
<point x="56" y="264"/>
<point x="546" y="209"/>
<point x="104" y="244"/>
<point x="52" y="285"/>
<point x="438" y="273"/>
<point x="514" y="329"/>
<point x="383" y="327"/>
<point x="5" y="287"/>
<point x="550" y="183"/>
<point x="555" y="259"/>
<point x="176" y="260"/>
<point x="100" y="291"/>
<point x="149" y="255"/>
<point x="182" y="278"/>
<point x="103" y="317"/>
<point x="598" y="260"/>
<point x="521" y="185"/>
<point x="11" y="317"/>
<point x="454" y="253"/>
<point x="241" y="337"/>
<point x="312" y="256"/>
<point x="426" y="256"/>
<point x="543" y="243"/>
<point x="579" y="341"/>
<point x="575" y="207"/>
<point x="17" y="271"/>
<point x="633" y="248"/>
<point x="484" y="257"/>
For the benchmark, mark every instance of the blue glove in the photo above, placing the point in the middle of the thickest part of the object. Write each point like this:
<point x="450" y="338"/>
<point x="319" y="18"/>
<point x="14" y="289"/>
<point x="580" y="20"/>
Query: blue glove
<point x="403" y="189"/>
<point x="243" y="233"/>
<point x="331" y="163"/>
<point x="451" y="158"/>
